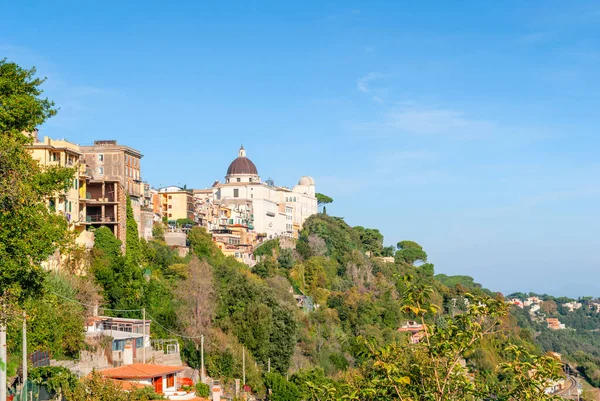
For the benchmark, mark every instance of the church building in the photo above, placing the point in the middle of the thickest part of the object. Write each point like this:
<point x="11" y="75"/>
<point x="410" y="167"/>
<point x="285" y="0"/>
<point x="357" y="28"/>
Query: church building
<point x="275" y="211"/>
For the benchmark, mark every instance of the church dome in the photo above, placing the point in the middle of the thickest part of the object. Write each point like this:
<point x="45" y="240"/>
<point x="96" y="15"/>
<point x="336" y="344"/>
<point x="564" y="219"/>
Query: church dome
<point x="242" y="165"/>
<point x="306" y="180"/>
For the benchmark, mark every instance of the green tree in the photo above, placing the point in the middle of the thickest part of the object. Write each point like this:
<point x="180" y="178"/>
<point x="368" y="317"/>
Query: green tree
<point x="202" y="244"/>
<point x="202" y="390"/>
<point x="389" y="251"/>
<point x="434" y="369"/>
<point x="323" y="199"/>
<point x="56" y="379"/>
<point x="122" y="282"/>
<point x="279" y="389"/>
<point x="410" y="252"/>
<point x="29" y="232"/>
<point x="132" y="243"/>
<point x="372" y="240"/>
<point x="106" y="242"/>
<point x="183" y="222"/>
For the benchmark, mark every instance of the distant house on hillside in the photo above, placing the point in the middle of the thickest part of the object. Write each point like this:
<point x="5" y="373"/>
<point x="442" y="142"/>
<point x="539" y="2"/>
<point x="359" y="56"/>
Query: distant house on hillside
<point x="554" y="323"/>
<point x="130" y="336"/>
<point x="532" y="301"/>
<point x="516" y="302"/>
<point x="572" y="306"/>
<point x="416" y="330"/>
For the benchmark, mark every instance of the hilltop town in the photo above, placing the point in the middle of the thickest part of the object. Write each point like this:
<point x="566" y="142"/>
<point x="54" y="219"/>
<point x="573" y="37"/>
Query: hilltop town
<point x="241" y="212"/>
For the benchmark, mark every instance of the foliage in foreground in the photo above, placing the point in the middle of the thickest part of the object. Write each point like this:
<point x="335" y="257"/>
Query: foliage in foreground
<point x="435" y="369"/>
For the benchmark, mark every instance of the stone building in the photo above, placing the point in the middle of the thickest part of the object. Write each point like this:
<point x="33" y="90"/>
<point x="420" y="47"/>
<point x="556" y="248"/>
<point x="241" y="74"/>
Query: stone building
<point x="115" y="171"/>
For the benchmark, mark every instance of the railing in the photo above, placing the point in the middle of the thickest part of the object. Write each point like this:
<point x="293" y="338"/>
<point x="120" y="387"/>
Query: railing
<point x="100" y="219"/>
<point x="89" y="197"/>
<point x="169" y="347"/>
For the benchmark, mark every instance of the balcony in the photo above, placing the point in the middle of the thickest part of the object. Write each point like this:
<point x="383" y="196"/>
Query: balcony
<point x="84" y="171"/>
<point x="92" y="199"/>
<point x="96" y="218"/>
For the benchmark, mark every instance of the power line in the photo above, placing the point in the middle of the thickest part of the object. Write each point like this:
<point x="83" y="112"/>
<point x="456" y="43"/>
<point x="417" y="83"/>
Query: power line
<point x="173" y="332"/>
<point x="94" y="306"/>
<point x="128" y="310"/>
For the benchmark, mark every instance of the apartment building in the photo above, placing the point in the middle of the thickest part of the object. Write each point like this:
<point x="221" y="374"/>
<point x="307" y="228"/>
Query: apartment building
<point x="115" y="173"/>
<point x="175" y="203"/>
<point x="49" y="152"/>
<point x="105" y="174"/>
<point x="107" y="159"/>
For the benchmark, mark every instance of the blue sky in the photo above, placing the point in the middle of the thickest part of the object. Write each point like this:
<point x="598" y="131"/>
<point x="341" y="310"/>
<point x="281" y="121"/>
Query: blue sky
<point x="470" y="127"/>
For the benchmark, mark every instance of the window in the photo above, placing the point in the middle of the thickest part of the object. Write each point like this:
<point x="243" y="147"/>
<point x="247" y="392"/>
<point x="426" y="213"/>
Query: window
<point x="250" y="179"/>
<point x="236" y="193"/>
<point x="70" y="206"/>
<point x="170" y="206"/>
<point x="171" y="380"/>
<point x="170" y="196"/>
<point x="294" y="199"/>
<point x="170" y="215"/>
<point x="101" y="170"/>
<point x="239" y="180"/>
<point x="251" y="195"/>
<point x="118" y="345"/>
<point x="126" y="171"/>
<point x="100" y="157"/>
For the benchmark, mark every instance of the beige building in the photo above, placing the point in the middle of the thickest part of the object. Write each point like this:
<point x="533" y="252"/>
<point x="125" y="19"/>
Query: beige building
<point x="106" y="173"/>
<point x="71" y="202"/>
<point x="176" y="203"/>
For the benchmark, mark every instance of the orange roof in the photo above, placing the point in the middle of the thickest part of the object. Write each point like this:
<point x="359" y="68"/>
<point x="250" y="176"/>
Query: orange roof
<point x="128" y="386"/>
<point x="140" y="371"/>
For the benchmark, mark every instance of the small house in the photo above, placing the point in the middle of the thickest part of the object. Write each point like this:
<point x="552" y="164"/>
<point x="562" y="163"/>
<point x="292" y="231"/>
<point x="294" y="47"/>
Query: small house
<point x="161" y="377"/>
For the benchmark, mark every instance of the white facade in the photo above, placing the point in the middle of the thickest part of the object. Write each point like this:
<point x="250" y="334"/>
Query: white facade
<point x="277" y="211"/>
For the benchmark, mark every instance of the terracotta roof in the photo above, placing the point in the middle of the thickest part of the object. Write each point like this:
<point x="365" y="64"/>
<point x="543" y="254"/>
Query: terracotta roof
<point x="140" y="371"/>
<point x="127" y="386"/>
<point x="242" y="165"/>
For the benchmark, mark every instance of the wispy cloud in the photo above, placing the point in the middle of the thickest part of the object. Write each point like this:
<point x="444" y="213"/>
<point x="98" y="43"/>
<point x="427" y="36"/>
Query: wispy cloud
<point x="363" y="83"/>
<point x="435" y="121"/>
<point x="412" y="118"/>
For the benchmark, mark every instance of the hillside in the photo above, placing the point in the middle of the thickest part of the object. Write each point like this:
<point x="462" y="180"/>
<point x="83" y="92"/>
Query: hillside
<point x="307" y="309"/>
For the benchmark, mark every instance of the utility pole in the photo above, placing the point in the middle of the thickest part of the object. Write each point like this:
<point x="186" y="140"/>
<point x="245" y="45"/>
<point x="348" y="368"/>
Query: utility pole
<point x="3" y="361"/>
<point x="144" y="337"/>
<point x="24" y="397"/>
<point x="244" y="365"/>
<point x="202" y="375"/>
